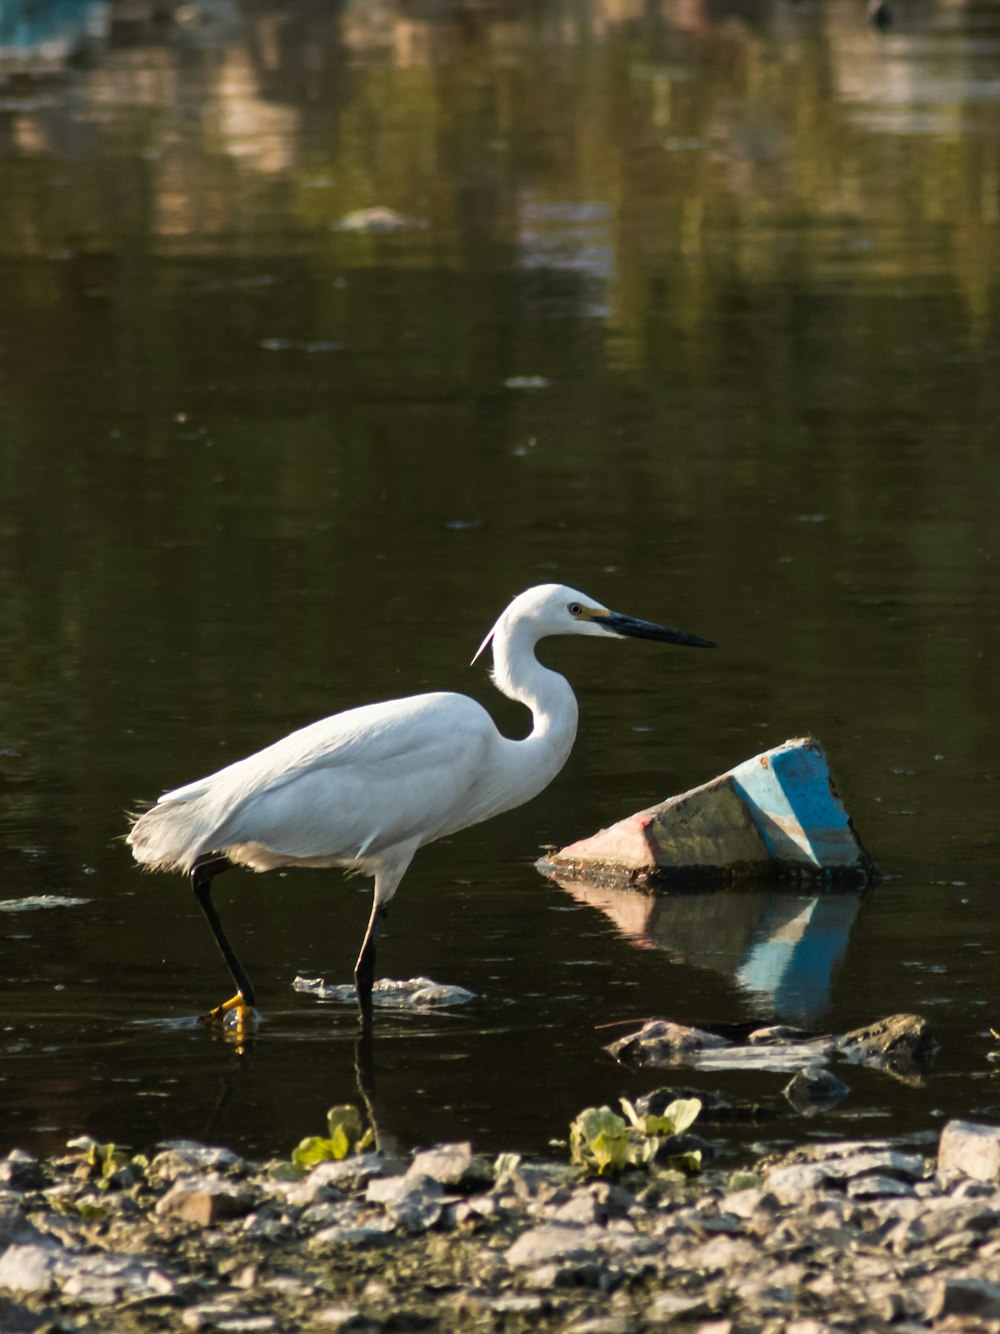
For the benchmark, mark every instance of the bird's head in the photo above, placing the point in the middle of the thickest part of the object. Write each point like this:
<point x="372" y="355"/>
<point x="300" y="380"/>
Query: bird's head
<point x="554" y="609"/>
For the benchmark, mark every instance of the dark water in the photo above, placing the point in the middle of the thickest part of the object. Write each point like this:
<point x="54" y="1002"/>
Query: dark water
<point x="696" y="309"/>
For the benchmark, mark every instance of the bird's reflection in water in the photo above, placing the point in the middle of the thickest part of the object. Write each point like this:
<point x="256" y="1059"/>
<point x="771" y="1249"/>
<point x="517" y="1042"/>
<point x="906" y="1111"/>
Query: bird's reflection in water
<point x="364" y="1075"/>
<point x="779" y="945"/>
<point x="364" y="1094"/>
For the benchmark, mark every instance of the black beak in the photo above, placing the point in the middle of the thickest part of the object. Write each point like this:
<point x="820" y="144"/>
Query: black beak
<point x="617" y="624"/>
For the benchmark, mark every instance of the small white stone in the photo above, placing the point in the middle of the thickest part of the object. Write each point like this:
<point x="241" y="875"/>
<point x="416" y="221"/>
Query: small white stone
<point x="203" y="1200"/>
<point x="350" y="1236"/>
<point x="791" y="1183"/>
<point x="339" y="1317"/>
<point x="517" y="1304"/>
<point x="742" y="1203"/>
<point x="447" y="1163"/>
<point x="967" y="1146"/>
<point x="28" y="1268"/>
<point x="206" y="1315"/>
<point x="550" y="1242"/>
<point x="872" y="1187"/>
<point x="669" y="1306"/>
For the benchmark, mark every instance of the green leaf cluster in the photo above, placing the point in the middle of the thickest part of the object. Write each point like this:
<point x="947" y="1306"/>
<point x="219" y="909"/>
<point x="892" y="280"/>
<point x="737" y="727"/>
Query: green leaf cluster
<point x="107" y="1164"/>
<point x="602" y="1142"/>
<point x="345" y="1134"/>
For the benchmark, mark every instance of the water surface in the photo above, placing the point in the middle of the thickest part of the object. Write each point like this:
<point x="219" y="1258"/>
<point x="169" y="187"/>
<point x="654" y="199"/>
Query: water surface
<point x="691" y="306"/>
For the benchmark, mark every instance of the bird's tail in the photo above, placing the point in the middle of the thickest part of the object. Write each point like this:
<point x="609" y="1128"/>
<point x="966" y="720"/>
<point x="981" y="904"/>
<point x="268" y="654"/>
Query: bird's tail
<point x="169" y="836"/>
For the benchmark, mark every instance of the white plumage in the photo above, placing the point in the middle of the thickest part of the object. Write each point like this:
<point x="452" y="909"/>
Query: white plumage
<point x="366" y="788"/>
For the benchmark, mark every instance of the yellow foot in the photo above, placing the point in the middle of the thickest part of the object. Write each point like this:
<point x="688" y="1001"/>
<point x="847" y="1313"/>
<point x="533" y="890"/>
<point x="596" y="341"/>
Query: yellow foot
<point x="234" y="1016"/>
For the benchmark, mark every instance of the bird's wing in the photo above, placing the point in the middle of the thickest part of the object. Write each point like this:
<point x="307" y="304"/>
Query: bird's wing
<point x="354" y="784"/>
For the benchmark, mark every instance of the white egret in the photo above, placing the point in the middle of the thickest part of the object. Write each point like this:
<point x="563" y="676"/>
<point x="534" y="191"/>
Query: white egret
<point x="368" y="787"/>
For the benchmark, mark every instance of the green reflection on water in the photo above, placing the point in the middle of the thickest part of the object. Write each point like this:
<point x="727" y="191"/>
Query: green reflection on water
<point x="696" y="309"/>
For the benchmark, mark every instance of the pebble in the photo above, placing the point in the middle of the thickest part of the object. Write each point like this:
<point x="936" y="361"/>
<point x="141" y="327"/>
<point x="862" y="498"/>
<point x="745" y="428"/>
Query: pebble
<point x="791" y="1183"/>
<point x="814" y="1090"/>
<point x="971" y="1149"/>
<point x="872" y="1187"/>
<point x="671" y="1306"/>
<point x="14" y="1225"/>
<point x="184" y="1157"/>
<point x="356" y="1237"/>
<point x="203" y="1200"/>
<point x="549" y="1242"/>
<point x="662" y="1042"/>
<point x="20" y="1171"/>
<point x="518" y="1304"/>
<point x="27" y="1268"/>
<point x="447" y="1164"/>
<point x="965" y="1297"/>
<point x="327" y="1179"/>
<point x="343" y="1318"/>
<point x="412" y="1202"/>
<point x="858" y="1234"/>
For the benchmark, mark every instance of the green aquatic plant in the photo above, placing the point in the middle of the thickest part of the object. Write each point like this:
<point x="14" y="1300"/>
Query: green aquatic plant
<point x="602" y="1142"/>
<point x="675" y="1119"/>
<point x="599" y="1141"/>
<point x="107" y="1164"/>
<point x="345" y="1134"/>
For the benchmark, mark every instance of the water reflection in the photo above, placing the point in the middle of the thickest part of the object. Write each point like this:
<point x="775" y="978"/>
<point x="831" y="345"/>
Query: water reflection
<point x="704" y="316"/>
<point x="42" y="37"/>
<point x="779" y="946"/>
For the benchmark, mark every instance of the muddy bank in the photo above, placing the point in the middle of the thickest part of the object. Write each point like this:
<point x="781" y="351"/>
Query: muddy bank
<point x="865" y="1235"/>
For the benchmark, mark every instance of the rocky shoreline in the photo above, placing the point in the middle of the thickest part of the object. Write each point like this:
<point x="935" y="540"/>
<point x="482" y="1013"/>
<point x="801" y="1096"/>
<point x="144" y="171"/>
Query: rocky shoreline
<point x="860" y="1235"/>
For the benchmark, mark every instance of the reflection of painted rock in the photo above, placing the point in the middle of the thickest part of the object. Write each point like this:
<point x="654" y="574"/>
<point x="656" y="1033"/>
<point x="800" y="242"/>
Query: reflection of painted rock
<point x="778" y="944"/>
<point x="777" y="814"/>
<point x="48" y="34"/>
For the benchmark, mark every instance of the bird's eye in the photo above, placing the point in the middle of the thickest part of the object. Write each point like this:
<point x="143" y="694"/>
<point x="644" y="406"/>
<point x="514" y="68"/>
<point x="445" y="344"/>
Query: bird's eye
<point x="575" y="609"/>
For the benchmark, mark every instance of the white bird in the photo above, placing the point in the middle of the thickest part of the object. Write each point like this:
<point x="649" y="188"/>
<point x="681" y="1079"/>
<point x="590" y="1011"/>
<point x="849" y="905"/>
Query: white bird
<point x="368" y="787"/>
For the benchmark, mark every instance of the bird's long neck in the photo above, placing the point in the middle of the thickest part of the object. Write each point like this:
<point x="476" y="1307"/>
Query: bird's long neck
<point x="549" y="696"/>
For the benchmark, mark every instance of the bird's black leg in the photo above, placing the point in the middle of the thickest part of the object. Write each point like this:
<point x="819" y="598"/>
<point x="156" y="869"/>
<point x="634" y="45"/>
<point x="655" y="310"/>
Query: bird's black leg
<point x="364" y="969"/>
<point x="202" y="876"/>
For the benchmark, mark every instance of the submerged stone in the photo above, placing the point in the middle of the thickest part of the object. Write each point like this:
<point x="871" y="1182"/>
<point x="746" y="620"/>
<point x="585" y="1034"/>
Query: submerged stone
<point x="812" y="1091"/>
<point x="784" y="1033"/>
<point x="417" y="993"/>
<point x="663" y="1042"/>
<point x="901" y="1042"/>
